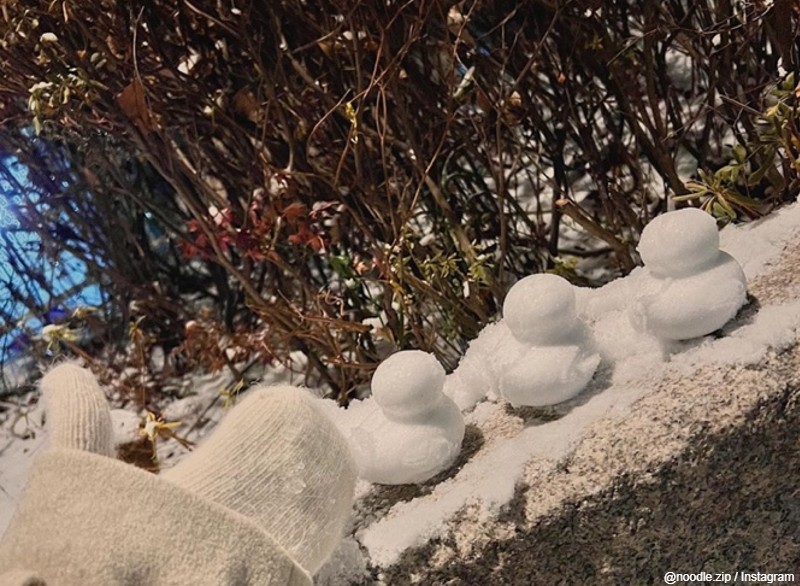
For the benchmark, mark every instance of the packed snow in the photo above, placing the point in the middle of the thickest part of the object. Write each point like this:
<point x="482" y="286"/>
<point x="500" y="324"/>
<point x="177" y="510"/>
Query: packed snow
<point x="410" y="430"/>
<point x="694" y="288"/>
<point x="553" y="336"/>
<point x="540" y="311"/>
<point x="540" y="353"/>
<point x="558" y="359"/>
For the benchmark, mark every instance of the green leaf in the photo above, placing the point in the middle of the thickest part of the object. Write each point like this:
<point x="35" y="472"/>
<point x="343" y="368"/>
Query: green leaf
<point x="739" y="153"/>
<point x="725" y="174"/>
<point x="776" y="178"/>
<point x="756" y="177"/>
<point x="727" y="210"/>
<point x="741" y="200"/>
<point x="340" y="265"/>
<point x="718" y="211"/>
<point x="689" y="196"/>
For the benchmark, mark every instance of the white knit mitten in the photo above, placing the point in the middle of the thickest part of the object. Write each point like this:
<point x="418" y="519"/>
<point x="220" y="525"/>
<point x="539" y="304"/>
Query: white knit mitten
<point x="263" y="501"/>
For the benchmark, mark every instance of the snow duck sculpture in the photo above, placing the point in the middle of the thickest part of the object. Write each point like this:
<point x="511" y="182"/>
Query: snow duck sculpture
<point x="559" y="359"/>
<point x="414" y="432"/>
<point x="692" y="287"/>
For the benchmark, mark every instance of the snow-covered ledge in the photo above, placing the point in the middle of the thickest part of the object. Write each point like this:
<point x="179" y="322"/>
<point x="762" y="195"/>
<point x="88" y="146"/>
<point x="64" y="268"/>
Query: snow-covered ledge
<point x="685" y="465"/>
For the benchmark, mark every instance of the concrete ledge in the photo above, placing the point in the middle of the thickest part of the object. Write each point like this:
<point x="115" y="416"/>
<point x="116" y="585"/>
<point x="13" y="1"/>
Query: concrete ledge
<point x="714" y="486"/>
<point x="696" y="469"/>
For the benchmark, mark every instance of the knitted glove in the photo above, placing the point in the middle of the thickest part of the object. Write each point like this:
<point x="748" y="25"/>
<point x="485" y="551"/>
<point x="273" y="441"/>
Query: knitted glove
<point x="263" y="501"/>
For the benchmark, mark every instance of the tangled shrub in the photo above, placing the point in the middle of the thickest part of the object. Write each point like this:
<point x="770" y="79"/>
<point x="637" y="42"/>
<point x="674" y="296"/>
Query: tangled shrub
<point x="337" y="171"/>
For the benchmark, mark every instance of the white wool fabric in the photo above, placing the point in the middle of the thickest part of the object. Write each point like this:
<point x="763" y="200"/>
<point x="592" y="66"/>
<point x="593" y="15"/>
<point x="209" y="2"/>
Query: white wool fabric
<point x="287" y="469"/>
<point x="88" y="519"/>
<point x="263" y="501"/>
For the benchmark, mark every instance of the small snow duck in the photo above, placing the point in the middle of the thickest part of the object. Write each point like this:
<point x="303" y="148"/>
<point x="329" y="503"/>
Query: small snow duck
<point x="414" y="431"/>
<point x="560" y="359"/>
<point x="693" y="287"/>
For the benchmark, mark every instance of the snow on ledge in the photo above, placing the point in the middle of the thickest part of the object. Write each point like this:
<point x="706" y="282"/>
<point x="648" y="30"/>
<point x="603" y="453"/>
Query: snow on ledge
<point x="488" y="480"/>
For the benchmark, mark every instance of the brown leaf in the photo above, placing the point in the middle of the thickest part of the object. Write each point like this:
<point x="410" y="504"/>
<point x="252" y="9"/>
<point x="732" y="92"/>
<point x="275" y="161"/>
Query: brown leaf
<point x="245" y="103"/>
<point x="139" y="453"/>
<point x="133" y="102"/>
<point x="91" y="177"/>
<point x="293" y="212"/>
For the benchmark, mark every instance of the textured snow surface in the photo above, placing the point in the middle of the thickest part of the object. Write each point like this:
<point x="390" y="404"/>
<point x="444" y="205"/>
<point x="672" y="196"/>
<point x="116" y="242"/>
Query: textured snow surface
<point x="694" y="288"/>
<point x="548" y="375"/>
<point x="559" y="357"/>
<point x="545" y="349"/>
<point x="408" y="385"/>
<point x="412" y="431"/>
<point x="540" y="310"/>
<point x="679" y="243"/>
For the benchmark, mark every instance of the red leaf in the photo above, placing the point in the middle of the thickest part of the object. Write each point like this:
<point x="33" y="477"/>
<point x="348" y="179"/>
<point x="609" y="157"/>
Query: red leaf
<point x="293" y="212"/>
<point x="306" y="236"/>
